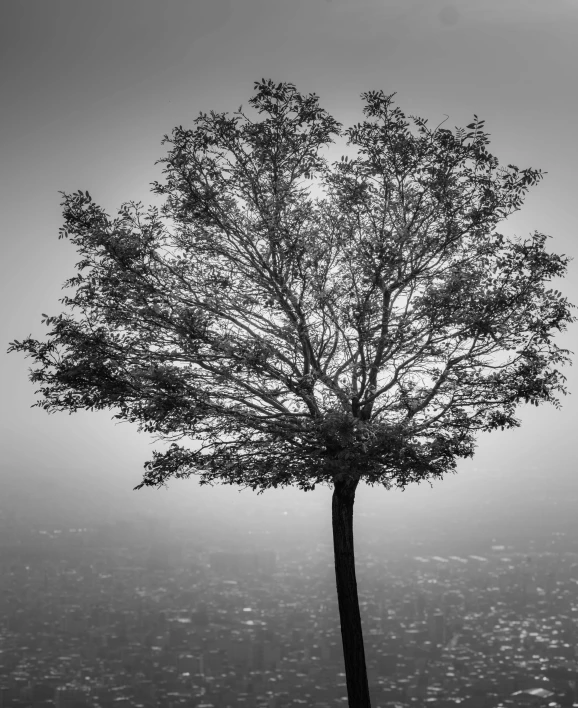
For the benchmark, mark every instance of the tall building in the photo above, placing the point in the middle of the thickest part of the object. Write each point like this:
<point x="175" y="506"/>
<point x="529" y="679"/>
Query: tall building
<point x="437" y="628"/>
<point x="71" y="697"/>
<point x="42" y="692"/>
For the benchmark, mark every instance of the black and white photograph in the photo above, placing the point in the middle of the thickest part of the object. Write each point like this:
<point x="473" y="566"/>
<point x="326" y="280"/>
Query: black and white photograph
<point x="289" y="410"/>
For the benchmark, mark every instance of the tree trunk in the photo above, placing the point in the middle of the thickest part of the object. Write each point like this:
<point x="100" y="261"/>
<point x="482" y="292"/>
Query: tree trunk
<point x="351" y="633"/>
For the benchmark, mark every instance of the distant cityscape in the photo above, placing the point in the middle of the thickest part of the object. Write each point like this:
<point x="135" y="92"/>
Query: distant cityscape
<point x="147" y="614"/>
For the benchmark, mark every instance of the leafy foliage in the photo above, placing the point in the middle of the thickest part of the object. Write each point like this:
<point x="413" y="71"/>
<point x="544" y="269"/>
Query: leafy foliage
<point x="370" y="333"/>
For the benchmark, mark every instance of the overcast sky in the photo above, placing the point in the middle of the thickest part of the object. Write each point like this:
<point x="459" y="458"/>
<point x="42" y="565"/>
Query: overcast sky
<point x="88" y="89"/>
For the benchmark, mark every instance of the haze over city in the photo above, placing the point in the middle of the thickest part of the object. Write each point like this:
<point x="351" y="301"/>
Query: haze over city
<point x="89" y="89"/>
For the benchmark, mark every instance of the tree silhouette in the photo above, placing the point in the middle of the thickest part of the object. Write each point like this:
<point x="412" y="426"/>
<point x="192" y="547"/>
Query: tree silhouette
<point x="365" y="334"/>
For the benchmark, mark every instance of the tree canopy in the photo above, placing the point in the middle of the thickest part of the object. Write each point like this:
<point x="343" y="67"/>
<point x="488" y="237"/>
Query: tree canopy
<point x="370" y="332"/>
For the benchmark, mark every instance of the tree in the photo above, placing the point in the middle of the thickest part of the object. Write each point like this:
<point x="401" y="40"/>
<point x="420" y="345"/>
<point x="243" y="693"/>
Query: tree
<point x="365" y="334"/>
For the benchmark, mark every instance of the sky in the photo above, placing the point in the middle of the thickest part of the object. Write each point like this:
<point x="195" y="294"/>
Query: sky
<point x="88" y="89"/>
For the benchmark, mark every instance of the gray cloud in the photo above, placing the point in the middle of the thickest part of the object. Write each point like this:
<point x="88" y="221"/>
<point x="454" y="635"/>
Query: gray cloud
<point x="449" y="15"/>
